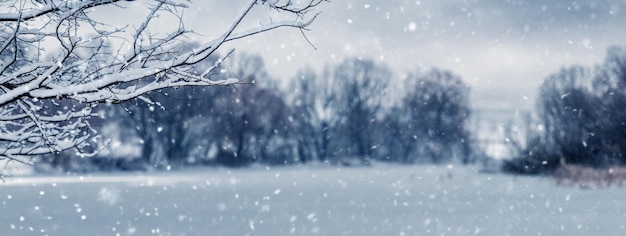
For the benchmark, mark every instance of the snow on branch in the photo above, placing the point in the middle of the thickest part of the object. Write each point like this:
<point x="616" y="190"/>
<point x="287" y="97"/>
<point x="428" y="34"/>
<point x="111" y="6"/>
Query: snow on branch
<point x="58" y="64"/>
<point x="51" y="7"/>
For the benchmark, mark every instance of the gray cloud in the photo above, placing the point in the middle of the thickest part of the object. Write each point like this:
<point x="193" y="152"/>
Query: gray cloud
<point x="503" y="49"/>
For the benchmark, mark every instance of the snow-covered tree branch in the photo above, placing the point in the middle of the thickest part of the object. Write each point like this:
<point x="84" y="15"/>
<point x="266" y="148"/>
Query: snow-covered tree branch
<point x="58" y="63"/>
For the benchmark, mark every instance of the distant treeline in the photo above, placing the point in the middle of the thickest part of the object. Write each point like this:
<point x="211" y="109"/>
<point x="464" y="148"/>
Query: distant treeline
<point x="350" y="114"/>
<point x="355" y="112"/>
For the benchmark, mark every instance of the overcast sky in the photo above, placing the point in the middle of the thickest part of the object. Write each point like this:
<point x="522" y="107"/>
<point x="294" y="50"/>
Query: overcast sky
<point x="502" y="49"/>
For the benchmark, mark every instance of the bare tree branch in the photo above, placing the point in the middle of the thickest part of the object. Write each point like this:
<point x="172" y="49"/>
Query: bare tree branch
<point x="47" y="97"/>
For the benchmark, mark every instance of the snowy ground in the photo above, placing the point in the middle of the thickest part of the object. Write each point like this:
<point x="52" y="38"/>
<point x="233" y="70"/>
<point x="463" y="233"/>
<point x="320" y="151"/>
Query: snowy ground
<point x="382" y="200"/>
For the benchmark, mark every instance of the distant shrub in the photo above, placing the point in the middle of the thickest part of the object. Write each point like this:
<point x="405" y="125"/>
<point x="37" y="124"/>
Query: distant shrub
<point x="536" y="160"/>
<point x="588" y="177"/>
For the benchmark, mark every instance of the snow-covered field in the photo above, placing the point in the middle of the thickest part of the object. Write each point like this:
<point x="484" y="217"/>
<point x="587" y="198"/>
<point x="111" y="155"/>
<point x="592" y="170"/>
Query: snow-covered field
<point x="381" y="200"/>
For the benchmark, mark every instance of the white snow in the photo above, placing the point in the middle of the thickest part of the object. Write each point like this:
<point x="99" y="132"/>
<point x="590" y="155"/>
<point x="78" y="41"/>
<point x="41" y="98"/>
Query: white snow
<point x="380" y="200"/>
<point x="412" y="26"/>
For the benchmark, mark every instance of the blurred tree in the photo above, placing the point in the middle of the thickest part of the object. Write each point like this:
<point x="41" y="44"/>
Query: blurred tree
<point x="566" y="109"/>
<point x="610" y="108"/>
<point x="565" y="112"/>
<point x="166" y="126"/>
<point x="360" y="86"/>
<point x="249" y="123"/>
<point x="391" y="137"/>
<point x="582" y="112"/>
<point x="436" y="112"/>
<point x="314" y="114"/>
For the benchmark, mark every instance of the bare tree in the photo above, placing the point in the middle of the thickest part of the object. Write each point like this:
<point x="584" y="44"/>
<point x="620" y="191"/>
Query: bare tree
<point x="362" y="86"/>
<point x="48" y="97"/>
<point x="437" y="109"/>
<point x="314" y="113"/>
